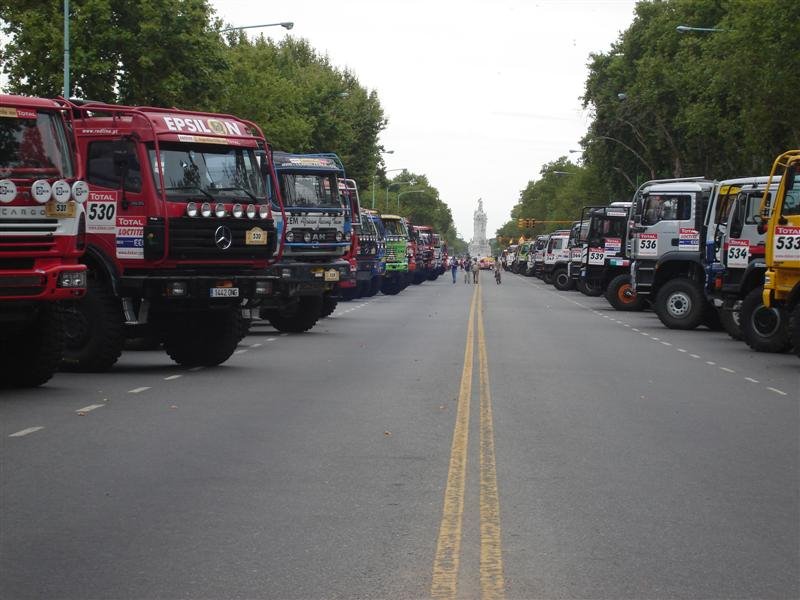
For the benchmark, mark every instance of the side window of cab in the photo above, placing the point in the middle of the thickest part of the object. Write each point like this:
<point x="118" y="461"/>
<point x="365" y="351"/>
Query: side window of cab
<point x="108" y="160"/>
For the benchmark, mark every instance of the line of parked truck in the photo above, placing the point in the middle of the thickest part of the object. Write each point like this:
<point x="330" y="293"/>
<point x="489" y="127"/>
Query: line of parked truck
<point x="130" y="226"/>
<point x="724" y="254"/>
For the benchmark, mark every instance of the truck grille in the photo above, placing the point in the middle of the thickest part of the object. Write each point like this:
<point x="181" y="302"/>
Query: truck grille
<point x="193" y="239"/>
<point x="27" y="243"/>
<point x="22" y="226"/>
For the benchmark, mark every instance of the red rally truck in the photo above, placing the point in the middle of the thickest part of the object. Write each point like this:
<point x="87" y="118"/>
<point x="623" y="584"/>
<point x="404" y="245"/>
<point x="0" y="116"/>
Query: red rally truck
<point x="42" y="236"/>
<point x="179" y="232"/>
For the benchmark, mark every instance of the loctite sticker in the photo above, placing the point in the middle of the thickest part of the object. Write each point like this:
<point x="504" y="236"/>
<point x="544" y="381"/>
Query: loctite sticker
<point x="130" y="237"/>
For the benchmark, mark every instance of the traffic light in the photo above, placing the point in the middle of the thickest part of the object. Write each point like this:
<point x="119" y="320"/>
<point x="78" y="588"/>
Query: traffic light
<point x="531" y="223"/>
<point x="521" y="223"/>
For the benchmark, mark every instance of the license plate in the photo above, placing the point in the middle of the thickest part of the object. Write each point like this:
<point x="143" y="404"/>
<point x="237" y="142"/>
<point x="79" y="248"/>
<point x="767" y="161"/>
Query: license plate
<point x="331" y="275"/>
<point x="59" y="209"/>
<point x="255" y="237"/>
<point x="224" y="292"/>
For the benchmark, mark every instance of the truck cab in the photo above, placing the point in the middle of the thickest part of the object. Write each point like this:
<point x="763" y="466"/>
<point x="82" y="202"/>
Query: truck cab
<point x="316" y="230"/>
<point x="734" y="249"/>
<point x="42" y="236"/>
<point x="666" y="237"/>
<point x="179" y="230"/>
<point x="536" y="256"/>
<point x="511" y="256"/>
<point x="556" y="259"/>
<point x="397" y="254"/>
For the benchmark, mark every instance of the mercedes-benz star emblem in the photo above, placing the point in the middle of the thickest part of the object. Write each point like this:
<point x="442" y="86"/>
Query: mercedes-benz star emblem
<point x="223" y="237"/>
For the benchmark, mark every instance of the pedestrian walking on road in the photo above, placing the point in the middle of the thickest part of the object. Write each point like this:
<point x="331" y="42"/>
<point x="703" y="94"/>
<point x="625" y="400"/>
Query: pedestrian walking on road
<point x="476" y="268"/>
<point x="454" y="268"/>
<point x="465" y="266"/>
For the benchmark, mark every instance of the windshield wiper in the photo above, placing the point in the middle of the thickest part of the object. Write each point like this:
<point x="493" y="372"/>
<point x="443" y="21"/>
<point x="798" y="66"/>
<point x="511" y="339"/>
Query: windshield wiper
<point x="241" y="189"/>
<point x="191" y="187"/>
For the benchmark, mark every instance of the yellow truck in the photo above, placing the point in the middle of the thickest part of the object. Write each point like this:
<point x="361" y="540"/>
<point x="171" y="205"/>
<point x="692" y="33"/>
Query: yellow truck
<point x="779" y="304"/>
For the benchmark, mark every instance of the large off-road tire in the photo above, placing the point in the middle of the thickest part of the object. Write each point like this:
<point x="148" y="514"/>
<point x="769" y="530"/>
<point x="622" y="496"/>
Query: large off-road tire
<point x="299" y="318"/>
<point x="731" y="322"/>
<point x="348" y="294"/>
<point x="34" y="350"/>
<point x="547" y="278"/>
<point x="590" y="287"/>
<point x="374" y="286"/>
<point x="203" y="339"/>
<point x="95" y="330"/>
<point x="763" y="329"/>
<point x="329" y="304"/>
<point x="794" y="328"/>
<point x="620" y="295"/>
<point x="419" y="277"/>
<point x="391" y="287"/>
<point x="680" y="304"/>
<point x="562" y="281"/>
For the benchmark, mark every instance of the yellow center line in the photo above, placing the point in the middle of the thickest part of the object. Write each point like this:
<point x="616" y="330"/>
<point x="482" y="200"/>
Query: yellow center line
<point x="448" y="546"/>
<point x="491" y="562"/>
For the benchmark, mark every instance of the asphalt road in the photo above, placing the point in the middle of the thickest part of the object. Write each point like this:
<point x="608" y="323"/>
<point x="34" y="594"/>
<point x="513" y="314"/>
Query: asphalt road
<point x="567" y="451"/>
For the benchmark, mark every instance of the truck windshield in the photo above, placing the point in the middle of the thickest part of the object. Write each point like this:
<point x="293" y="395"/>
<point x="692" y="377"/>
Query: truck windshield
<point x="394" y="228"/>
<point x="221" y="172"/>
<point x="663" y="207"/>
<point x="367" y="226"/>
<point x="604" y="227"/>
<point x="310" y="191"/>
<point x="34" y="148"/>
<point x="791" y="198"/>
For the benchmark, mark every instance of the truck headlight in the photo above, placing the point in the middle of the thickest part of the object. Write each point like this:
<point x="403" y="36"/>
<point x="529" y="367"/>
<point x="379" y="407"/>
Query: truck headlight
<point x="72" y="279"/>
<point x="191" y="209"/>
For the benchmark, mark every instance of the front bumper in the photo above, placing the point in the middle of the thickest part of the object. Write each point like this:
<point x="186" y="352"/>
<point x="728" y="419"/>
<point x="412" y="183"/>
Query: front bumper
<point x="41" y="283"/>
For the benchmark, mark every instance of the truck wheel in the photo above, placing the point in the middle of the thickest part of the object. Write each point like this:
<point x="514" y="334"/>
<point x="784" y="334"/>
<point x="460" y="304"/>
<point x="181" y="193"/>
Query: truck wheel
<point x="348" y="294"/>
<point x="680" y="304"/>
<point x="37" y="349"/>
<point x="562" y="281"/>
<point x="204" y="339"/>
<point x="730" y="320"/>
<point x="390" y="287"/>
<point x="590" y="287"/>
<point x="374" y="287"/>
<point x="620" y="294"/>
<point x="711" y="319"/>
<point x="764" y="329"/>
<point x="547" y="278"/>
<point x="328" y="306"/>
<point x="794" y="328"/>
<point x="95" y="331"/>
<point x="298" y="319"/>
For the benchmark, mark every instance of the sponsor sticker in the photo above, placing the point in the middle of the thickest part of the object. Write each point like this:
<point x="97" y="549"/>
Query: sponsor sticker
<point x="786" y="243"/>
<point x="612" y="246"/>
<point x="9" y="112"/>
<point x="738" y="254"/>
<point x="101" y="212"/>
<point x="130" y="237"/>
<point x="647" y="244"/>
<point x="688" y="239"/>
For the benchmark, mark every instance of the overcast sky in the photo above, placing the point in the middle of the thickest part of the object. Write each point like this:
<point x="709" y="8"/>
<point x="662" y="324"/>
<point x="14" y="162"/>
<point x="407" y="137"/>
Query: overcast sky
<point x="479" y="93"/>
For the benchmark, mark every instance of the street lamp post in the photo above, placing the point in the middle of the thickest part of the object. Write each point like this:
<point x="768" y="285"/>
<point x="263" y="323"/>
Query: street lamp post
<point x="394" y="183"/>
<point x="285" y="24"/>
<point x="66" y="48"/>
<point x="387" y="189"/>
<point x="375" y="176"/>
<point x="687" y="29"/>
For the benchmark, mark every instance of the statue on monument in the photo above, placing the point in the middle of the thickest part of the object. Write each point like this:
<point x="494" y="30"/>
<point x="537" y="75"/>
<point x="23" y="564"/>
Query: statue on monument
<point x="479" y="246"/>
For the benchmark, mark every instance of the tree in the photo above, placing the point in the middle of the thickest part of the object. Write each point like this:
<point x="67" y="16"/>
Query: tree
<point x="149" y="52"/>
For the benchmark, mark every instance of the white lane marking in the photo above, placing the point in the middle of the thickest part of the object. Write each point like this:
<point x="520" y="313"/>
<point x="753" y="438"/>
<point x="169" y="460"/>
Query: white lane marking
<point x="681" y="350"/>
<point x="656" y="339"/>
<point x="727" y="370"/>
<point x="171" y="377"/>
<point x="195" y="369"/>
<point x="635" y="329"/>
<point x="666" y="343"/>
<point x="138" y="390"/>
<point x="644" y="333"/>
<point x="89" y="408"/>
<point x="271" y="339"/>
<point x="256" y="345"/>
<point x="710" y="362"/>
<point x="777" y="391"/>
<point x="751" y="380"/>
<point x="625" y="325"/>
<point x="240" y="351"/>
<point x="695" y="355"/>
<point x="25" y="431"/>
